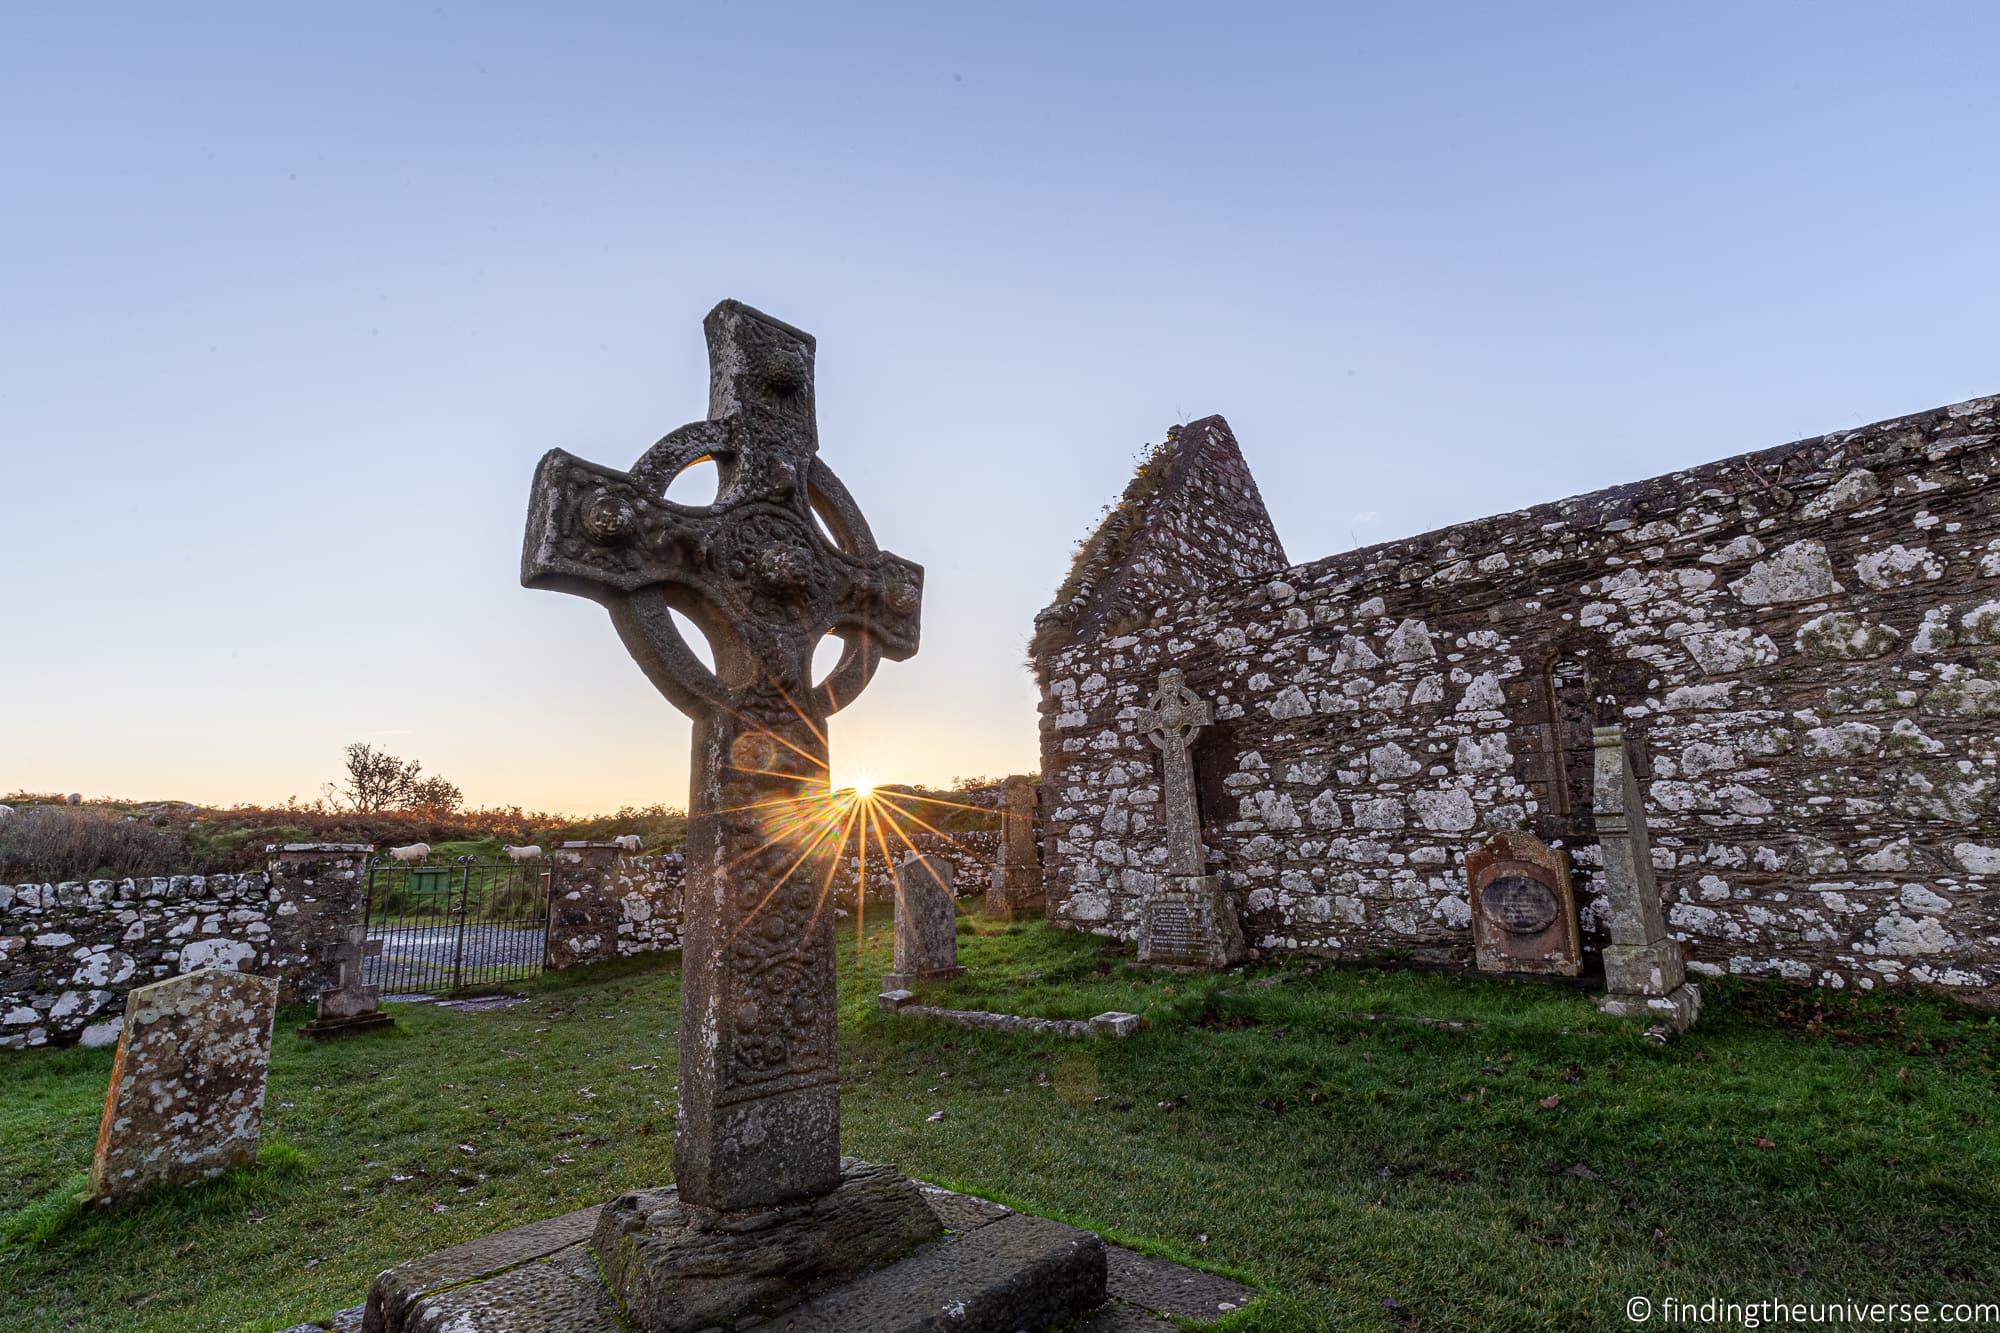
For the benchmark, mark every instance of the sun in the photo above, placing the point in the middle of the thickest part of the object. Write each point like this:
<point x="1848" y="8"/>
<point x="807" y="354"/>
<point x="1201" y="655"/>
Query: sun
<point x="862" y="787"/>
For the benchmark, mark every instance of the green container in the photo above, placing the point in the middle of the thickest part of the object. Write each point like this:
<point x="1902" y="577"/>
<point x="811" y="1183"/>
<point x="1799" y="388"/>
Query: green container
<point x="430" y="881"/>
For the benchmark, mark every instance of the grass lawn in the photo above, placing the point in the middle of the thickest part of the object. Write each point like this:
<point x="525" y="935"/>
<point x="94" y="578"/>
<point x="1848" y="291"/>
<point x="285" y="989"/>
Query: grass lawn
<point x="1533" y="1171"/>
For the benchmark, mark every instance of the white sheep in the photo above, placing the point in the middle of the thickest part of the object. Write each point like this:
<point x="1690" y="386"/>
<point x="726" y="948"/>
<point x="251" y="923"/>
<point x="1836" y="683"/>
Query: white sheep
<point x="74" y="798"/>
<point x="629" y="841"/>
<point x="6" y="812"/>
<point x="528" y="853"/>
<point x="416" y="851"/>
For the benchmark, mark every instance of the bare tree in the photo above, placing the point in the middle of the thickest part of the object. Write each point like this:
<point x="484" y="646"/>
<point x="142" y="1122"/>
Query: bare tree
<point x="378" y="780"/>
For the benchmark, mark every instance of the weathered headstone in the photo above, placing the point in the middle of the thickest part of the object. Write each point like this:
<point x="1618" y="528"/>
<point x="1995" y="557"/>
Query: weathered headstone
<point x="1188" y="919"/>
<point x="1016" y="884"/>
<point x="187" y="1088"/>
<point x="1645" y="973"/>
<point x="350" y="1005"/>
<point x="926" y="923"/>
<point x="1523" y="910"/>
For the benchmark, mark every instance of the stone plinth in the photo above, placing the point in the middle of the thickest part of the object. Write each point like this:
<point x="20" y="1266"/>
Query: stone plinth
<point x="1190" y="921"/>
<point x="926" y="923"/>
<point x="678" y="1268"/>
<point x="187" y="1088"/>
<point x="1013" y="891"/>
<point x="1645" y="975"/>
<point x="879" y="1252"/>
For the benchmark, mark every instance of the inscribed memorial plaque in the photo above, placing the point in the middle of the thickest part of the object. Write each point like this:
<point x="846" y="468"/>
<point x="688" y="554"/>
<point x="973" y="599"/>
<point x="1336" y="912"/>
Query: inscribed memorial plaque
<point x="1523" y="911"/>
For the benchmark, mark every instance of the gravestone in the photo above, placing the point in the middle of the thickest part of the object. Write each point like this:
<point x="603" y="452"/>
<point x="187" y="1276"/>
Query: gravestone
<point x="1523" y="911"/>
<point x="350" y="1005"/>
<point x="187" y="1087"/>
<point x="764" y="1210"/>
<point x="1645" y="973"/>
<point x="1016" y="884"/>
<point x="1187" y="918"/>
<point x="926" y="923"/>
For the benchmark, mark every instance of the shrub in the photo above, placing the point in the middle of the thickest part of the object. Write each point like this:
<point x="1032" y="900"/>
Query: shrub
<point x="53" y="843"/>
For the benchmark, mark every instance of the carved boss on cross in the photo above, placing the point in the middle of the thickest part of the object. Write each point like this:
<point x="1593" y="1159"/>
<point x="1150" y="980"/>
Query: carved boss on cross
<point x="752" y="569"/>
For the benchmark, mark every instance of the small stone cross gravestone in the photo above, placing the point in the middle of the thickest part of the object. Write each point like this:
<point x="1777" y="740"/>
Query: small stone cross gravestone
<point x="1523" y="911"/>
<point x="1187" y="919"/>
<point x="350" y="1005"/>
<point x="187" y="1087"/>
<point x="926" y="923"/>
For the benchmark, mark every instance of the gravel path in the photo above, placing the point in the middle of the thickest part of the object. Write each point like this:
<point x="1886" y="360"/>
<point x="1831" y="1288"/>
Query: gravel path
<point x="419" y="958"/>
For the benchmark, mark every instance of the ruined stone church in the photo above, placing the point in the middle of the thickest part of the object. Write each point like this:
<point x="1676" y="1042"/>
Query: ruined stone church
<point x="1803" y="645"/>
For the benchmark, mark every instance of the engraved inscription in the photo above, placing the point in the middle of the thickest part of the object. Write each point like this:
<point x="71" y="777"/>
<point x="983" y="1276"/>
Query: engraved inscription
<point x="1521" y="905"/>
<point x="1173" y="928"/>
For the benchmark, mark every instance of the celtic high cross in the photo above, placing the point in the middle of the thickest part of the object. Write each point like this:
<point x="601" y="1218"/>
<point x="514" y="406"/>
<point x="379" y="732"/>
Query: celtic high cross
<point x="1172" y="721"/>
<point x="758" y="1118"/>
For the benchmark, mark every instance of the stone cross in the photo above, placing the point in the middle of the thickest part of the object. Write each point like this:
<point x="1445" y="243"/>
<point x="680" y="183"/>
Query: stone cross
<point x="350" y="1004"/>
<point x="353" y="955"/>
<point x="1017" y="822"/>
<point x="779" y="561"/>
<point x="1172" y="721"/>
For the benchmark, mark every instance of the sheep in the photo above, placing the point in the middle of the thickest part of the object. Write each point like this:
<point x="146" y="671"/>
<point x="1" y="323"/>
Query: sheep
<point x="629" y="841"/>
<point x="528" y="853"/>
<point x="6" y="812"/>
<point x="416" y="851"/>
<point x="74" y="798"/>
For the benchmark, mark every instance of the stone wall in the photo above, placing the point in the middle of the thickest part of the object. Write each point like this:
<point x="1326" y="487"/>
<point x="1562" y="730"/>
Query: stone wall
<point x="1803" y="643"/>
<point x="69" y="952"/>
<point x="971" y="856"/>
<point x="1190" y="520"/>
<point x="603" y="904"/>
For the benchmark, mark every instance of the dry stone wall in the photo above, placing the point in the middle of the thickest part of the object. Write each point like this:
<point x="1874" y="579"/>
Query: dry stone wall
<point x="1803" y="644"/>
<point x="70" y="952"/>
<point x="971" y="856"/>
<point x="606" y="905"/>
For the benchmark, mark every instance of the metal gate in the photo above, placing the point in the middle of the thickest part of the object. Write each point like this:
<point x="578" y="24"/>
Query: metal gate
<point x="452" y="926"/>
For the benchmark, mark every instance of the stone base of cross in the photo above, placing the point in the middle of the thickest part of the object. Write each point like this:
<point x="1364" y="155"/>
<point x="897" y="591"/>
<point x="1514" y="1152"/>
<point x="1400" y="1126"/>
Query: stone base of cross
<point x="1190" y="921"/>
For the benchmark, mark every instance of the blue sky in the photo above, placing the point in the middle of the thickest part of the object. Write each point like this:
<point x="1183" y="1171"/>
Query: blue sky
<point x="295" y="299"/>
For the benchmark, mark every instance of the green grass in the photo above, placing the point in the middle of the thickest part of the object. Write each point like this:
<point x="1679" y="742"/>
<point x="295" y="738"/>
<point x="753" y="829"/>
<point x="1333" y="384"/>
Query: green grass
<point x="1370" y="1174"/>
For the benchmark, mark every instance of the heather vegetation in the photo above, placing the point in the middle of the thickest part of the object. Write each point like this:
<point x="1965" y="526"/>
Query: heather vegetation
<point x="50" y="841"/>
